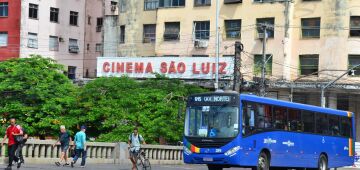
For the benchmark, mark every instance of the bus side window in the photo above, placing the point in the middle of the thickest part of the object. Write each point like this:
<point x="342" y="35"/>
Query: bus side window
<point x="248" y="124"/>
<point x="346" y="127"/>
<point x="322" y="124"/>
<point x="294" y="123"/>
<point x="308" y="121"/>
<point x="280" y="115"/>
<point x="334" y="125"/>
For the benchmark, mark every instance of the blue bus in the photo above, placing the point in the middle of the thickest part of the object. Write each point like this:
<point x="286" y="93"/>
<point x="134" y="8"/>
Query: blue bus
<point x="228" y="129"/>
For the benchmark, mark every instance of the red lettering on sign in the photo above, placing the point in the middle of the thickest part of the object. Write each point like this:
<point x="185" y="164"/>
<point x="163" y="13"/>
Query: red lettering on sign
<point x="149" y="68"/>
<point x="194" y="69"/>
<point x="113" y="67"/>
<point x="181" y="67"/>
<point x="106" y="66"/>
<point x="222" y="67"/>
<point x="119" y="67"/>
<point x="172" y="68"/>
<point x="163" y="67"/>
<point x="205" y="68"/>
<point x="139" y="67"/>
<point x="129" y="67"/>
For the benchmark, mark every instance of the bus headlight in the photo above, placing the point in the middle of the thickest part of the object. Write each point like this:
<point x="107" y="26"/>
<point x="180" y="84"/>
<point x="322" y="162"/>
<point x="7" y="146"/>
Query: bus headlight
<point x="187" y="151"/>
<point x="232" y="151"/>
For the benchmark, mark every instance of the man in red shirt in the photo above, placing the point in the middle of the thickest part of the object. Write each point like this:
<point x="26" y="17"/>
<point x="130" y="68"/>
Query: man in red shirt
<point x="12" y="131"/>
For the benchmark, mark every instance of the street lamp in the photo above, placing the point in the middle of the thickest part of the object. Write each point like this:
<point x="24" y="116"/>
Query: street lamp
<point x="323" y="100"/>
<point x="217" y="46"/>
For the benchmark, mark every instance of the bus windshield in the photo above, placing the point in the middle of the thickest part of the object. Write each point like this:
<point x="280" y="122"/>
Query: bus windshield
<point x="212" y="121"/>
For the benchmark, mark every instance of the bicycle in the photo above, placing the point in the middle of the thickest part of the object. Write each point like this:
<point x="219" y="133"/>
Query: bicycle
<point x="142" y="163"/>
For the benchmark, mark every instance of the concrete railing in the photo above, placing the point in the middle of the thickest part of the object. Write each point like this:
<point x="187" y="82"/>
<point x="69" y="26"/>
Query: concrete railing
<point x="42" y="151"/>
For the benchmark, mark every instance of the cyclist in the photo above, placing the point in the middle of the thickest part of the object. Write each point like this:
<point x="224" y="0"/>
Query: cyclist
<point x="135" y="140"/>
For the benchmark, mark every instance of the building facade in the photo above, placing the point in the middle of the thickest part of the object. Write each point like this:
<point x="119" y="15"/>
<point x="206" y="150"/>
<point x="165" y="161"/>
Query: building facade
<point x="309" y="43"/>
<point x="10" y="14"/>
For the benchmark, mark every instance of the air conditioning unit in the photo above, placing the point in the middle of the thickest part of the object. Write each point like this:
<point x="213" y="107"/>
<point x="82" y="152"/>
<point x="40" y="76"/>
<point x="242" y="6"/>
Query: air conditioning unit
<point x="73" y="49"/>
<point x="61" y="39"/>
<point x="261" y="35"/>
<point x="201" y="43"/>
<point x="113" y="8"/>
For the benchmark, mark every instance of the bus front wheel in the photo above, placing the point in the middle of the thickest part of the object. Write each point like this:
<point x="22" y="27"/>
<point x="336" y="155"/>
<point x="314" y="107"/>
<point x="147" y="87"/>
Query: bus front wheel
<point x="323" y="163"/>
<point x="214" y="167"/>
<point x="263" y="162"/>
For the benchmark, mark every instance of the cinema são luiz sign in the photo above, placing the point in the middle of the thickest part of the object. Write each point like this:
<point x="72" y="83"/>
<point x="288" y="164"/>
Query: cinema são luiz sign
<point x="172" y="67"/>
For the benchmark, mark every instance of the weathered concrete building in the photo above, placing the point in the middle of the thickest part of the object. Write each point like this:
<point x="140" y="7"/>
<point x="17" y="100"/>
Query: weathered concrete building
<point x="309" y="43"/>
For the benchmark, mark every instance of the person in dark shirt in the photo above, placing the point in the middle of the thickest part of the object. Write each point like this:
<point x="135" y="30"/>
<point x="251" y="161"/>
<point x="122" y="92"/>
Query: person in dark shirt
<point x="21" y="145"/>
<point x="64" y="140"/>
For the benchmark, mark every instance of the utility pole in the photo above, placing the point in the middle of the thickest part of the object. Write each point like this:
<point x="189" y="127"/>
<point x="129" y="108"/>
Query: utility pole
<point x="239" y="47"/>
<point x="323" y="99"/>
<point x="263" y="66"/>
<point x="217" y="47"/>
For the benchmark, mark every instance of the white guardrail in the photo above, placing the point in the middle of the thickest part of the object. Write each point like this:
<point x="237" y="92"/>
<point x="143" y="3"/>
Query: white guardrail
<point x="43" y="152"/>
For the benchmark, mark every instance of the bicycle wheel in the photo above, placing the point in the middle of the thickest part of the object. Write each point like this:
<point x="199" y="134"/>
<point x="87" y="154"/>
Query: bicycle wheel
<point x="146" y="165"/>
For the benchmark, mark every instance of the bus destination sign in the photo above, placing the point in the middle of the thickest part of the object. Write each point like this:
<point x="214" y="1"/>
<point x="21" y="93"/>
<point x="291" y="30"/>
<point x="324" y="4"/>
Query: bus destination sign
<point x="213" y="99"/>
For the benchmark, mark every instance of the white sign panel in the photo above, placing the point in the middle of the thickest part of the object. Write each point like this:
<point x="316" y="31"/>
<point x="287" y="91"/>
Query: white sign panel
<point x="172" y="67"/>
<point x="357" y="154"/>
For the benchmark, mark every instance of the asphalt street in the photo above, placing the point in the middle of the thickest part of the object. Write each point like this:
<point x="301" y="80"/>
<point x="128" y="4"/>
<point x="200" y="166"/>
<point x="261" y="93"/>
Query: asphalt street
<point x="114" y="167"/>
<point x="120" y="167"/>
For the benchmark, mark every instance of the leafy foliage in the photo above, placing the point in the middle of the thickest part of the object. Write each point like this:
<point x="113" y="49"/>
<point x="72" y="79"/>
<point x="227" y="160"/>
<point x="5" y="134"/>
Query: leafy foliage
<point x="36" y="92"/>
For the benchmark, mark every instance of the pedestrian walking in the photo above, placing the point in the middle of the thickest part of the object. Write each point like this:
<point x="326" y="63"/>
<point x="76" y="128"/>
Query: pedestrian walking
<point x="80" y="147"/>
<point x="13" y="133"/>
<point x="21" y="144"/>
<point x="64" y="140"/>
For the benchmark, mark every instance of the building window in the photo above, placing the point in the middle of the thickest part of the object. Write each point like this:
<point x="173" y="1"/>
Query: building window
<point x="72" y="72"/>
<point x="355" y="26"/>
<point x="99" y="24"/>
<point x="172" y="31"/>
<point x="265" y="21"/>
<point x="202" y="30"/>
<point x="354" y="60"/>
<point x="122" y="34"/>
<point x="33" y="11"/>
<point x="3" y="39"/>
<point x="202" y="3"/>
<point x="88" y="47"/>
<point x="171" y="56"/>
<point x="113" y="6"/>
<point x="232" y="1"/>
<point x="310" y="27"/>
<point x="171" y="3"/>
<point x="74" y="18"/>
<point x="73" y="46"/>
<point x="89" y="20"/>
<point x="200" y="55"/>
<point x="149" y="33"/>
<point x="122" y="5"/>
<point x="98" y="47"/>
<point x="258" y="60"/>
<point x="54" y="14"/>
<point x="309" y="64"/>
<point x="151" y="4"/>
<point x="233" y="28"/>
<point x="32" y="40"/>
<point x="4" y="9"/>
<point x="53" y="43"/>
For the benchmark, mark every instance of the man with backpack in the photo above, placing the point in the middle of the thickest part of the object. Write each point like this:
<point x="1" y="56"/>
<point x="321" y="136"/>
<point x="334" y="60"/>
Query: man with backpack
<point x="80" y="144"/>
<point x="14" y="133"/>
<point x="64" y="140"/>
<point x="134" y="142"/>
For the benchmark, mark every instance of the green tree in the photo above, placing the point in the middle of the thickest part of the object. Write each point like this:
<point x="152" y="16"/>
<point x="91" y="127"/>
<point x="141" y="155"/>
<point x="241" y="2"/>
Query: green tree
<point x="114" y="106"/>
<point x="36" y="92"/>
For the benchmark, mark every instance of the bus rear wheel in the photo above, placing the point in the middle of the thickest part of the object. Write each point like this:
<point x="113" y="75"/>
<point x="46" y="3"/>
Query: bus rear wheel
<point x="323" y="163"/>
<point x="214" y="167"/>
<point x="263" y="162"/>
